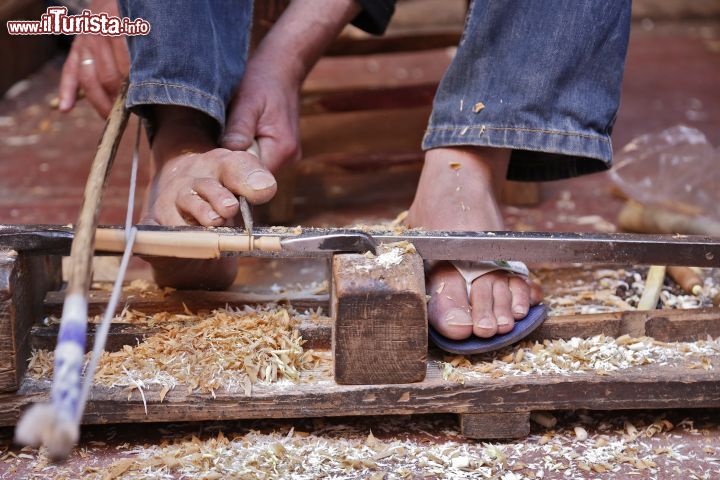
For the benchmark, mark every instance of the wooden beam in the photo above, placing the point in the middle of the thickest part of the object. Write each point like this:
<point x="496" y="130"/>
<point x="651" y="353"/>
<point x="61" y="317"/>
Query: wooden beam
<point x="379" y="320"/>
<point x="502" y="425"/>
<point x="24" y="279"/>
<point x="647" y="387"/>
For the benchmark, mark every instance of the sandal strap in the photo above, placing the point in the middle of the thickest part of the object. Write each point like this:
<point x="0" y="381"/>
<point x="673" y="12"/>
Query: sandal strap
<point x="471" y="270"/>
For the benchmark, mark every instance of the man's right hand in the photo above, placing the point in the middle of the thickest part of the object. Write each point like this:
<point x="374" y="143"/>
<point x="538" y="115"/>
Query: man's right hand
<point x="97" y="64"/>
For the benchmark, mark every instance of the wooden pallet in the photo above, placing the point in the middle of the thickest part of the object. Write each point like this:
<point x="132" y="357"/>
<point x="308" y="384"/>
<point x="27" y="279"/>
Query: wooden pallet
<point x="362" y="303"/>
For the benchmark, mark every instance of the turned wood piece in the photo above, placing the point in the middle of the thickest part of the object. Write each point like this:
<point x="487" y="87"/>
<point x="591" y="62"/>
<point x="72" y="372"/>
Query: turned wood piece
<point x="485" y="426"/>
<point x="379" y="320"/>
<point x="24" y="280"/>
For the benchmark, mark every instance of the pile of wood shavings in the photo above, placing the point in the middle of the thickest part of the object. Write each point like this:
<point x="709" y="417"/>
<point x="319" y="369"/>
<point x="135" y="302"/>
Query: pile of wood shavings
<point x="138" y="286"/>
<point x="617" y="449"/>
<point x="229" y="349"/>
<point x="611" y="290"/>
<point x="599" y="355"/>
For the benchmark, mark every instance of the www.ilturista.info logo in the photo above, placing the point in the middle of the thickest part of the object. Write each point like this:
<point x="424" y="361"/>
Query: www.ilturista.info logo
<point x="57" y="22"/>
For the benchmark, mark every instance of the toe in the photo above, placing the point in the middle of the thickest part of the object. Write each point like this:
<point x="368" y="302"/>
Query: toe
<point x="448" y="309"/>
<point x="197" y="209"/>
<point x="481" y="295"/>
<point x="520" y="297"/>
<point x="502" y="304"/>
<point x="220" y="198"/>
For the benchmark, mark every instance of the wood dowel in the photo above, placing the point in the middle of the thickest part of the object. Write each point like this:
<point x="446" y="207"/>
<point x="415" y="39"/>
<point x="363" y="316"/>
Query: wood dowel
<point x="653" y="287"/>
<point x="688" y="280"/>
<point x="81" y="252"/>
<point x="197" y="245"/>
<point x="638" y="218"/>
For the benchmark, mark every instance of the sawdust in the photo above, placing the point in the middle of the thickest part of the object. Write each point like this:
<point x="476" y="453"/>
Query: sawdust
<point x="598" y="355"/>
<point x="141" y="287"/>
<point x="392" y="254"/>
<point x="226" y="349"/>
<point x="612" y="447"/>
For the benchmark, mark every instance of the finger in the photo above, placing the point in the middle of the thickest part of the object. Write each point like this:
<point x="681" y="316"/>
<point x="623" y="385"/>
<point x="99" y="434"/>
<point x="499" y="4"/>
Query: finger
<point x="94" y="92"/>
<point x="449" y="308"/>
<point x="107" y="69"/>
<point x="190" y="203"/>
<point x="520" y="297"/>
<point x="69" y="81"/>
<point x="481" y="298"/>
<point x="502" y="304"/>
<point x="220" y="198"/>
<point x="244" y="174"/>
<point x="241" y="126"/>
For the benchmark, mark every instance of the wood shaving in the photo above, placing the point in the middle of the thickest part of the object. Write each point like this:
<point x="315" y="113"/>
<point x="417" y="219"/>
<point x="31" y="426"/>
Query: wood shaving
<point x="229" y="349"/>
<point x="478" y="107"/>
<point x="599" y="355"/>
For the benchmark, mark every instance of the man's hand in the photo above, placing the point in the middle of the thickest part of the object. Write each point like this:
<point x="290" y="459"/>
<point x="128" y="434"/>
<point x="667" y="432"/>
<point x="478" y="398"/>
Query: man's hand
<point x="97" y="64"/>
<point x="265" y="107"/>
<point x="266" y="104"/>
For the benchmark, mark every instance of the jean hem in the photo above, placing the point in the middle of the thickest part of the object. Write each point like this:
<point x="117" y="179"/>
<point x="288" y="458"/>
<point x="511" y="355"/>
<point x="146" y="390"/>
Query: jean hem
<point x="162" y="93"/>
<point x="538" y="154"/>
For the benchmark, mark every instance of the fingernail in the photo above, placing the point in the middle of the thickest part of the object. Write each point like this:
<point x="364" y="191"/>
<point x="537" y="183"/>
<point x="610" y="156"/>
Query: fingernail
<point x="64" y="104"/>
<point x="502" y="320"/>
<point x="230" y="202"/>
<point x="260" y="180"/>
<point x="457" y="317"/>
<point x="235" y="138"/>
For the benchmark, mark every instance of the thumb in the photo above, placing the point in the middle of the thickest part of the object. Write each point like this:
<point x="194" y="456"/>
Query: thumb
<point x="240" y="128"/>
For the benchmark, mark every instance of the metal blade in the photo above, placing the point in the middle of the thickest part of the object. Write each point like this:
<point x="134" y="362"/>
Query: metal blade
<point x="590" y="248"/>
<point x="325" y="244"/>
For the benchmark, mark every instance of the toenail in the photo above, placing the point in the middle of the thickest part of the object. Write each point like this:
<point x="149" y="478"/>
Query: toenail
<point x="260" y="180"/>
<point x="519" y="311"/>
<point x="457" y="317"/>
<point x="230" y="202"/>
<point x="502" y="321"/>
<point x="235" y="139"/>
<point x="486" y="323"/>
<point x="214" y="216"/>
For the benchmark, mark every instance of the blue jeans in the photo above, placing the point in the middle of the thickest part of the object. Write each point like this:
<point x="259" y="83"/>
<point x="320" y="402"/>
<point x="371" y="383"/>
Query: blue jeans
<point x="539" y="77"/>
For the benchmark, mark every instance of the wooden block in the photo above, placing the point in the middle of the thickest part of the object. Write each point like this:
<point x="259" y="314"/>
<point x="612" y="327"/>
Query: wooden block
<point x="24" y="280"/>
<point x="495" y="425"/>
<point x="379" y="320"/>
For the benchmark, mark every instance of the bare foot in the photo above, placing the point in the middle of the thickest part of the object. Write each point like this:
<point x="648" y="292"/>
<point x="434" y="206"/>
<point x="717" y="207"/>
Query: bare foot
<point x="196" y="183"/>
<point x="456" y="192"/>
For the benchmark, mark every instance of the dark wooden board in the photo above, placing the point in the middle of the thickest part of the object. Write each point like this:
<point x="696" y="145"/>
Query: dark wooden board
<point x="650" y="386"/>
<point x="23" y="282"/>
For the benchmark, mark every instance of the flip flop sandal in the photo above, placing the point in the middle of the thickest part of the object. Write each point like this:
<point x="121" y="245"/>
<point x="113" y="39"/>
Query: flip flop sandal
<point x="523" y="327"/>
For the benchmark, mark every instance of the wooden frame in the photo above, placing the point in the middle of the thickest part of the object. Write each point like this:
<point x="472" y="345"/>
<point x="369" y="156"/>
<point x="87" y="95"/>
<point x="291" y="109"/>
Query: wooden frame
<point x="488" y="407"/>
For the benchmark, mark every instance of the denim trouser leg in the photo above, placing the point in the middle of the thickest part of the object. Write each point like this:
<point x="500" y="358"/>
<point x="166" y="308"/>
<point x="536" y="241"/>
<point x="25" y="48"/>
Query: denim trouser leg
<point x="194" y="56"/>
<point x="539" y="77"/>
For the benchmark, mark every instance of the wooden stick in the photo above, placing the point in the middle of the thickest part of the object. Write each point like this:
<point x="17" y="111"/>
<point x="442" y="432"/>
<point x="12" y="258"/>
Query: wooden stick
<point x="638" y="218"/>
<point x="688" y="280"/>
<point x="56" y="425"/>
<point x="653" y="287"/>
<point x="197" y="244"/>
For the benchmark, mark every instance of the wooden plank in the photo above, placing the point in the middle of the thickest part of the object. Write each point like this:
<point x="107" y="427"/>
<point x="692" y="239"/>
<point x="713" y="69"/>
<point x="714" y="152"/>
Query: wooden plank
<point x="663" y="325"/>
<point x="521" y="193"/>
<point x="647" y="387"/>
<point x="194" y="300"/>
<point x="411" y="40"/>
<point x="493" y="425"/>
<point x="24" y="279"/>
<point x="411" y="96"/>
<point x="380" y="331"/>
<point x="316" y="334"/>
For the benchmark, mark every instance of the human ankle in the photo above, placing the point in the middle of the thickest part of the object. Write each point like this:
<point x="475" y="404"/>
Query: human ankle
<point x="180" y="130"/>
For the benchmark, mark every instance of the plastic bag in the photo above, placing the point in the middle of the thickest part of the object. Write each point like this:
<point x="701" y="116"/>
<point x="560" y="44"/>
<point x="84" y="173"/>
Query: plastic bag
<point x="676" y="169"/>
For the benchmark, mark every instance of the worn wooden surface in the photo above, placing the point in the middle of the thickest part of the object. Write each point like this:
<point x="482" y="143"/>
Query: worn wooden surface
<point x="23" y="283"/>
<point x="495" y="425"/>
<point x="650" y="386"/>
<point x="379" y="320"/>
